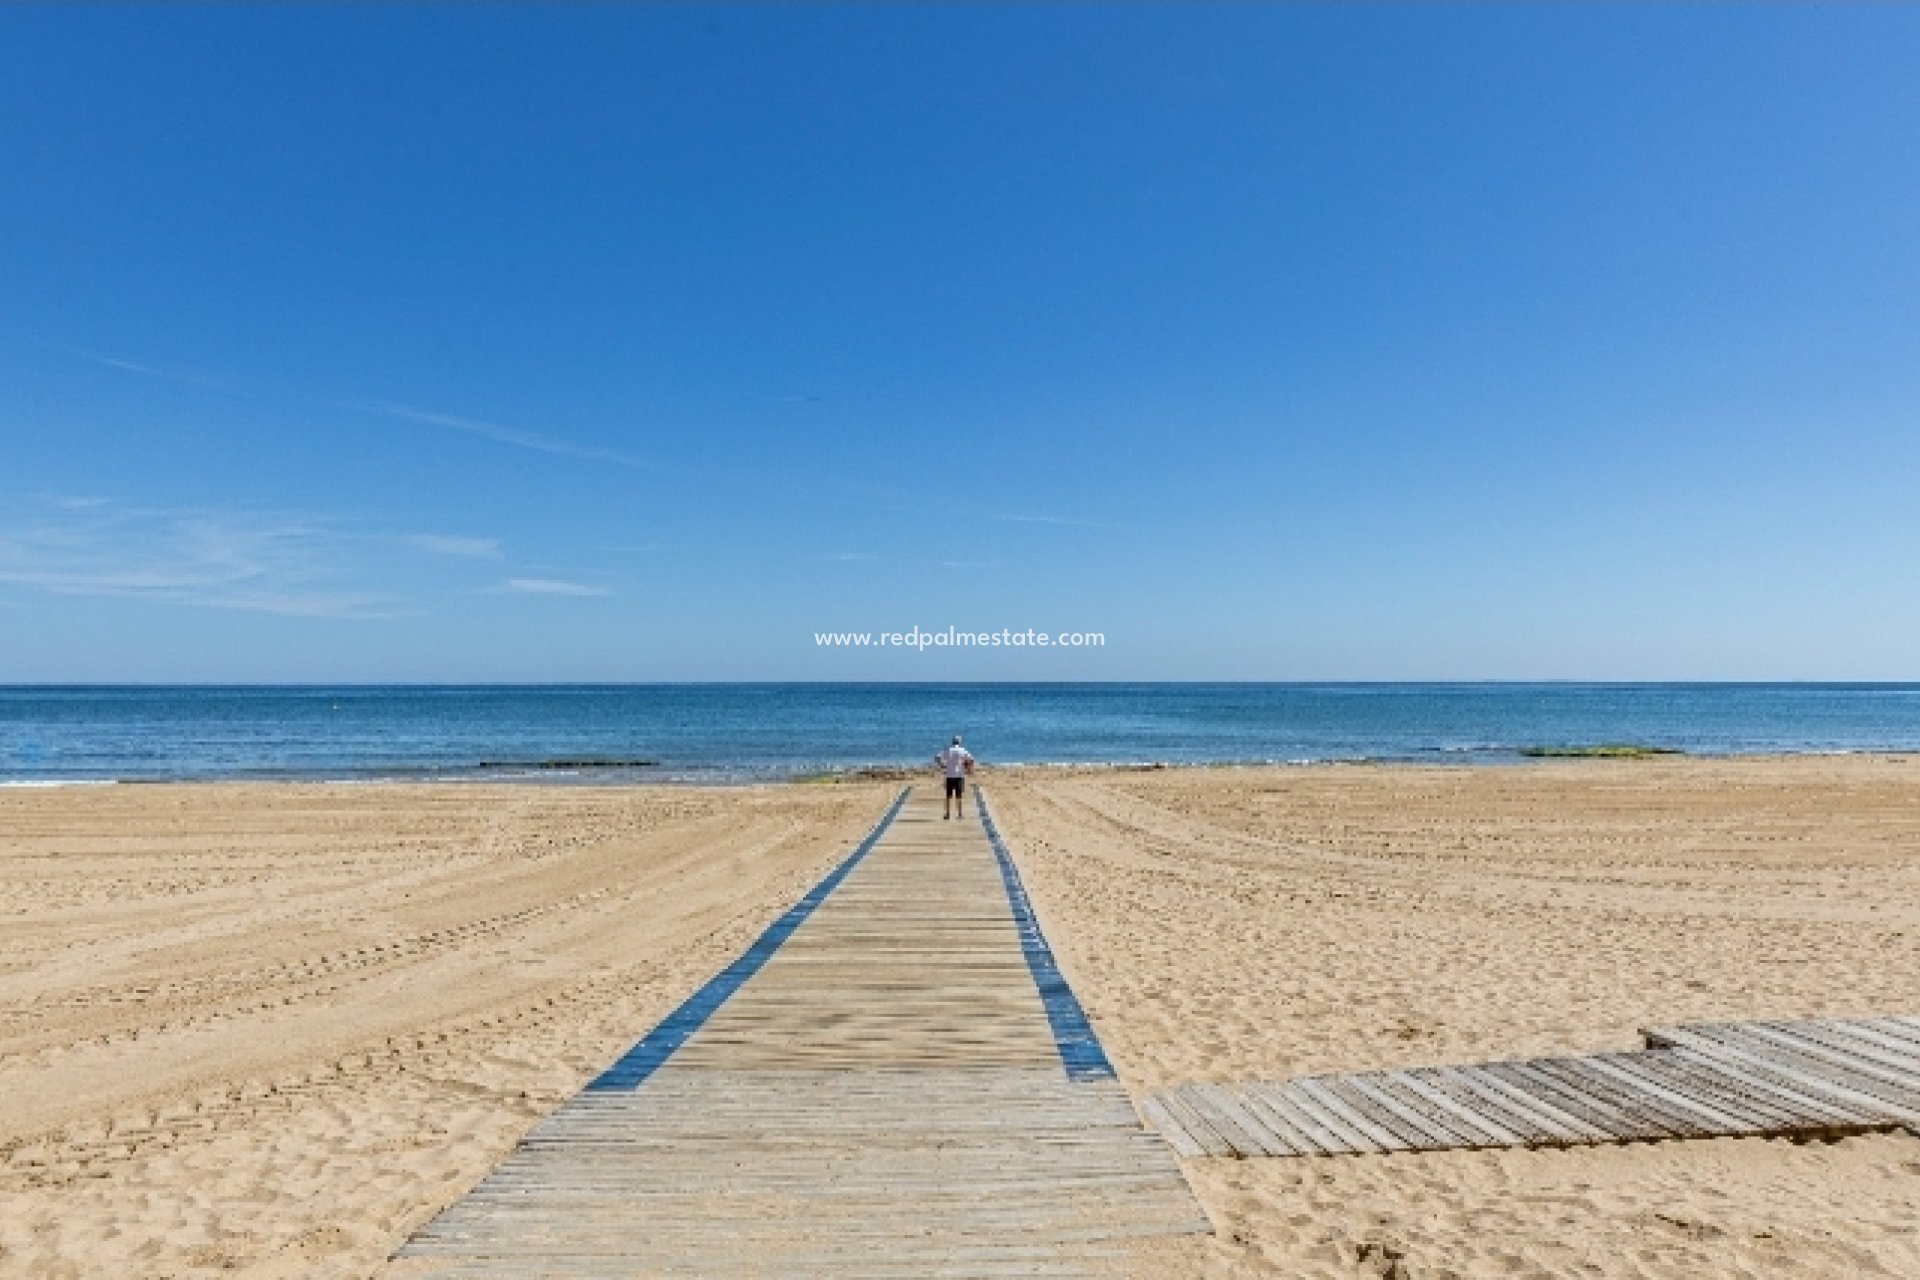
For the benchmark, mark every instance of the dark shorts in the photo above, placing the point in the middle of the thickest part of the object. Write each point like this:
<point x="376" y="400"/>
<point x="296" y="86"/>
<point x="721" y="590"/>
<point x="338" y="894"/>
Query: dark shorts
<point x="956" y="786"/>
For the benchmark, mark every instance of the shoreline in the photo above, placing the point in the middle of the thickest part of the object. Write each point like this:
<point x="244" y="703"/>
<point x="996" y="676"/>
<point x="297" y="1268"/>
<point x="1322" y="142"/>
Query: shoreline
<point x="653" y="775"/>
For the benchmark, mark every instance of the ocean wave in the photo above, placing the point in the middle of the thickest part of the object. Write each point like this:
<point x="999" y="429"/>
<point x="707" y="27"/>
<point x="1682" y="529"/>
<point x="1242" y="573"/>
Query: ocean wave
<point x="44" y="783"/>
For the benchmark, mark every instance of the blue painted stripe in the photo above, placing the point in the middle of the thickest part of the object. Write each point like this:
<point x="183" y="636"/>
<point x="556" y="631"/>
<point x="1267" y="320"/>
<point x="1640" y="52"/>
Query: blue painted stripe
<point x="652" y="1052"/>
<point x="1073" y="1036"/>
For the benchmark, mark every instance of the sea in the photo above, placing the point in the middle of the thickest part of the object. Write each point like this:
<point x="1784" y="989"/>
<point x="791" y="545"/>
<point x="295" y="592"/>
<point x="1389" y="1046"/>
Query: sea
<point x="749" y="732"/>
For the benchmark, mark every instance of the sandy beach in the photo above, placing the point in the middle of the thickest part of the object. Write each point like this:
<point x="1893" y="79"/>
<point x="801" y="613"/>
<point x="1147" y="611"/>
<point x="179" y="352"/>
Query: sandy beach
<point x="267" y="1030"/>
<point x="1226" y="924"/>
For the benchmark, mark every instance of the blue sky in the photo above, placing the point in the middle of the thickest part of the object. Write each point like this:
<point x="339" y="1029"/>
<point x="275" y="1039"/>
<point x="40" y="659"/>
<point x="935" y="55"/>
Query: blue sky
<point x="642" y="342"/>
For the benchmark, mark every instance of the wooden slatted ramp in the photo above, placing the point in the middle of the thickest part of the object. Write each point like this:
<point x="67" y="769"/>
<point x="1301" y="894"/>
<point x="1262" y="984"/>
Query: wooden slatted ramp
<point x="1715" y="1080"/>
<point x="893" y="1081"/>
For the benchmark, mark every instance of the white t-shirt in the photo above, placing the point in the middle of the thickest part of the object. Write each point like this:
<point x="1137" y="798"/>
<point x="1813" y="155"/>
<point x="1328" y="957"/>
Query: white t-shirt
<point x="956" y="759"/>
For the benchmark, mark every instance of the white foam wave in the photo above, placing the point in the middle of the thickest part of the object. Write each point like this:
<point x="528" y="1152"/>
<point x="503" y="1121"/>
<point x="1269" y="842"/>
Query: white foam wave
<point x="42" y="783"/>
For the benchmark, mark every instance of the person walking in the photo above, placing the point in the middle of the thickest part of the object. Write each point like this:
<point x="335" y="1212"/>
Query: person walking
<point x="957" y="762"/>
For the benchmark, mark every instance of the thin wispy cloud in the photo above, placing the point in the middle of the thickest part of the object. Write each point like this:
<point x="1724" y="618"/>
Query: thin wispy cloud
<point x="1008" y="517"/>
<point x="500" y="434"/>
<point x="187" y="377"/>
<point x="551" y="587"/>
<point x="849" y="557"/>
<point x="830" y="490"/>
<point x="496" y="432"/>
<point x="245" y="559"/>
<point x="250" y="561"/>
<point x="454" y="545"/>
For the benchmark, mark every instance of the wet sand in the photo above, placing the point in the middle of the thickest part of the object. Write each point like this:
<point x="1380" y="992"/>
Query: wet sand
<point x="267" y="1030"/>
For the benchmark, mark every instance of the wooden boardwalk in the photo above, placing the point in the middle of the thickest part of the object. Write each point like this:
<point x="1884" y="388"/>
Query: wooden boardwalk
<point x="1749" y="1078"/>
<point x="893" y="1081"/>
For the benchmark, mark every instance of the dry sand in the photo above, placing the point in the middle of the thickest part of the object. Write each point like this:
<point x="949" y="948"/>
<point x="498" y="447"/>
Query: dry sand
<point x="267" y="1030"/>
<point x="1230" y="924"/>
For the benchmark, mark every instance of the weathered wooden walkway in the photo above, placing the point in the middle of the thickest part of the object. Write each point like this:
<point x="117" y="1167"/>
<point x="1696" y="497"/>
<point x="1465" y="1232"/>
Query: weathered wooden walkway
<point x="892" y="1081"/>
<point x="1749" y="1078"/>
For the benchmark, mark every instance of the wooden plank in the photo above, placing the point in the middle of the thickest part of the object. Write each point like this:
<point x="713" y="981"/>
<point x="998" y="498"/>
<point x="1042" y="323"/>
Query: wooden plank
<point x="1410" y="1118"/>
<point x="1708" y="1080"/>
<point x="1362" y="1104"/>
<point x="1767" y="1111"/>
<point x="1827" y="1064"/>
<point x="1499" y="1100"/>
<point x="1543" y="1101"/>
<point x="1465" y="1104"/>
<point x="1441" y="1119"/>
<point x="1596" y="1112"/>
<point x="1644" y="1107"/>
<point x="1768" y="1061"/>
<point x="1823" y="1043"/>
<point x="1277" y="1100"/>
<point x="1894" y="1028"/>
<point x="1899" y="1067"/>
<point x="1803" y="1101"/>
<point x="1517" y="1094"/>
<point x="1155" y="1113"/>
<point x="1233" y="1102"/>
<point x="1213" y="1105"/>
<point x="1637" y="1074"/>
<point x="1871" y="1033"/>
<point x="1280" y="1123"/>
<point x="1196" y="1125"/>
<point x="1335" y="1123"/>
<point x="1330" y="1103"/>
